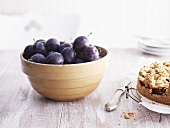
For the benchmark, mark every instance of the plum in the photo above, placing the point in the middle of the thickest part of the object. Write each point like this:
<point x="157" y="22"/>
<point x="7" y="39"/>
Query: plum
<point x="80" y="43"/>
<point x="69" y="55"/>
<point x="28" y="52"/>
<point x="41" y="40"/>
<point x="91" y="53"/>
<point x="55" y="58"/>
<point x="158" y="91"/>
<point x="38" y="47"/>
<point x="38" y="58"/>
<point x="77" y="61"/>
<point x="52" y="45"/>
<point x="64" y="45"/>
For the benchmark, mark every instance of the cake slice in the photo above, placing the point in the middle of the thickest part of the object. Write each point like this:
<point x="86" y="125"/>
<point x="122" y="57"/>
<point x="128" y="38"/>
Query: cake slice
<point x="154" y="82"/>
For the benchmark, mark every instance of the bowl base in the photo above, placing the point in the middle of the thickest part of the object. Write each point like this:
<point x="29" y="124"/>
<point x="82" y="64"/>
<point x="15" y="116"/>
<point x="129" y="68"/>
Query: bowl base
<point x="65" y="100"/>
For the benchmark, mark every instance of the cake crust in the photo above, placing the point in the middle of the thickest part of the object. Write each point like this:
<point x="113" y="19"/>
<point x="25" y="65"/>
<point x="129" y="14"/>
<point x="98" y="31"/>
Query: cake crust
<point x="146" y="92"/>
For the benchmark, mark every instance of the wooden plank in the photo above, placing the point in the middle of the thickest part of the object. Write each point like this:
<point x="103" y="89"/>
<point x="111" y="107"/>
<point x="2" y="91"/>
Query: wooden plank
<point x="6" y="58"/>
<point x="21" y="106"/>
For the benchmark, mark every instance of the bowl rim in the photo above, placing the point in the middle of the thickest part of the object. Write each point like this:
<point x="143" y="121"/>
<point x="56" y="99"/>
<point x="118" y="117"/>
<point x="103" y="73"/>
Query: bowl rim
<point x="65" y="65"/>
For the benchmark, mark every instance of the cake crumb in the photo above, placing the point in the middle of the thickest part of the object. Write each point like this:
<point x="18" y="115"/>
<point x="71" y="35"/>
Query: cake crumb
<point x="152" y="102"/>
<point x="128" y="115"/>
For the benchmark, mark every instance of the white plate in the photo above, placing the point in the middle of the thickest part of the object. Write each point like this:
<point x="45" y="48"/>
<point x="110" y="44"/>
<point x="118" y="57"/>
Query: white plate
<point x="153" y="48"/>
<point x="167" y="51"/>
<point x="156" y="43"/>
<point x="157" y="107"/>
<point x="154" y="51"/>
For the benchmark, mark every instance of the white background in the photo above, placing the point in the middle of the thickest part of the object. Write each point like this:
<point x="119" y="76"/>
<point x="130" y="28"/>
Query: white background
<point x="114" y="23"/>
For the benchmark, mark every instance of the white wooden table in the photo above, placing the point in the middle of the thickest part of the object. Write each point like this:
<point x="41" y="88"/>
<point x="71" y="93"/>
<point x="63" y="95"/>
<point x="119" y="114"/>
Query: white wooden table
<point x="22" y="107"/>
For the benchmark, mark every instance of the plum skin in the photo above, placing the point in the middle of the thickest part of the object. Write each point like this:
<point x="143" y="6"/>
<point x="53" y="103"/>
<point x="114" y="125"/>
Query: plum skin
<point x="80" y="43"/>
<point x="69" y="55"/>
<point x="28" y="52"/>
<point x="55" y="58"/>
<point x="39" y="47"/>
<point x="52" y="45"/>
<point x="38" y="58"/>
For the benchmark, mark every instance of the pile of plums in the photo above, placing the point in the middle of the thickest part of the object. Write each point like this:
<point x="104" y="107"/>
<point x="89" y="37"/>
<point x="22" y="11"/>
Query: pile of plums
<point x="57" y="52"/>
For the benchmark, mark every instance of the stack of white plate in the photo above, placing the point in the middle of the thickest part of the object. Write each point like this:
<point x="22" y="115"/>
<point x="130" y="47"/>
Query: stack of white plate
<point x="156" y="47"/>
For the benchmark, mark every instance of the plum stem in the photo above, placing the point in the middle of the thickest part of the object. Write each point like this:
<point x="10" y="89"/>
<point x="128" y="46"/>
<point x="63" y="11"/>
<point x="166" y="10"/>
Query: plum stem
<point x="89" y="34"/>
<point x="34" y="40"/>
<point x="30" y="59"/>
<point x="70" y="39"/>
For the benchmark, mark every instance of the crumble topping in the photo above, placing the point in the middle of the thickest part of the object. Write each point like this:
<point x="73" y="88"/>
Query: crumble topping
<point x="156" y="75"/>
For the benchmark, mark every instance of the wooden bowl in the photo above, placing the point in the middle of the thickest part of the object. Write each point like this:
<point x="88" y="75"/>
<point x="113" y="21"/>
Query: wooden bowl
<point x="66" y="82"/>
